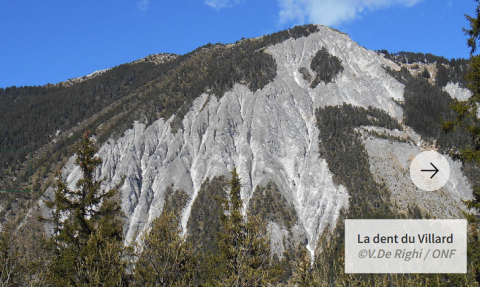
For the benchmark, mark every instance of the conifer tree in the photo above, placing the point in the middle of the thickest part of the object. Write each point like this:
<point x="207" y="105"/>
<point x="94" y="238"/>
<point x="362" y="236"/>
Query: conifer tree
<point x="87" y="233"/>
<point x="304" y="274"/>
<point x="166" y="259"/>
<point x="425" y="74"/>
<point x="467" y="112"/>
<point x="243" y="258"/>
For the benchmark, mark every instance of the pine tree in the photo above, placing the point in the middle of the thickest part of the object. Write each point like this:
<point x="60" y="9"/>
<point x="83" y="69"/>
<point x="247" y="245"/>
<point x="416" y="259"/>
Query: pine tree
<point x="243" y="258"/>
<point x="467" y="117"/>
<point x="166" y="258"/>
<point x="87" y="236"/>
<point x="467" y="111"/>
<point x="103" y="264"/>
<point x="425" y="74"/>
<point x="304" y="274"/>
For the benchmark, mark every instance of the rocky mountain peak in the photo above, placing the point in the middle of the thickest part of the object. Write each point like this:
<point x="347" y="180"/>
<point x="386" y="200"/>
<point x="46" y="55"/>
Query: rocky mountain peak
<point x="269" y="130"/>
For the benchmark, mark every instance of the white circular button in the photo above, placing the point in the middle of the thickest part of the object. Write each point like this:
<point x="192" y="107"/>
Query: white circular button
<point x="429" y="170"/>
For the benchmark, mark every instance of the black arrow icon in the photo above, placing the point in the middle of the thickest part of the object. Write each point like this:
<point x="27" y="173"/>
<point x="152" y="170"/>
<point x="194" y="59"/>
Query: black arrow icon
<point x="435" y="170"/>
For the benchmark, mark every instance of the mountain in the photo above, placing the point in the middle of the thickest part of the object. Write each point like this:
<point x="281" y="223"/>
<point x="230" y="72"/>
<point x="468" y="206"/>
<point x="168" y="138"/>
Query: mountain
<point x="318" y="127"/>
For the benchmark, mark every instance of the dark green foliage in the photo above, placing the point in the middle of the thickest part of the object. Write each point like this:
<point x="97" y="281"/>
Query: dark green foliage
<point x="424" y="105"/>
<point x="442" y="77"/>
<point x="325" y="66"/>
<point x="466" y="118"/>
<point x="471" y="170"/>
<point x="473" y="32"/>
<point x="347" y="158"/>
<point x="204" y="223"/>
<point x="386" y="136"/>
<point x="330" y="261"/>
<point x="176" y="200"/>
<point x="83" y="203"/>
<point x="286" y="265"/>
<point x="426" y="74"/>
<point x="305" y="74"/>
<point x="294" y="33"/>
<point x="88" y="245"/>
<point x="411" y="57"/>
<point x="304" y="272"/>
<point x="204" y="220"/>
<point x="453" y="70"/>
<point x="473" y="246"/>
<point x="16" y="170"/>
<point x="243" y="257"/>
<point x="31" y="115"/>
<point x="166" y="258"/>
<point x="269" y="204"/>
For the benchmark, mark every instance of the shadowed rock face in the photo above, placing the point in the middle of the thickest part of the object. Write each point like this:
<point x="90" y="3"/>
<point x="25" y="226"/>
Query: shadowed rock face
<point x="269" y="134"/>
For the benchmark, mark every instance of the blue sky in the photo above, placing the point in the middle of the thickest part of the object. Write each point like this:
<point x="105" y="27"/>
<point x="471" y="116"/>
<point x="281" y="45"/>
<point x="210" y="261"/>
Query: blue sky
<point x="55" y="40"/>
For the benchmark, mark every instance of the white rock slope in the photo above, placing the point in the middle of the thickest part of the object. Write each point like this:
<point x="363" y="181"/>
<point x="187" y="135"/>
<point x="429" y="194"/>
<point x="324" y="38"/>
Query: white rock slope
<point x="269" y="134"/>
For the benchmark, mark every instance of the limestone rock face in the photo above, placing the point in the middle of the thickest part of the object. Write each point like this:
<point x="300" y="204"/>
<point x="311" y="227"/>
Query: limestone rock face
<point x="269" y="134"/>
<point x="457" y="92"/>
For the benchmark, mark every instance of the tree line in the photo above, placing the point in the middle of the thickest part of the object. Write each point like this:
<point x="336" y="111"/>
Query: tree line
<point x="86" y="246"/>
<point x="453" y="70"/>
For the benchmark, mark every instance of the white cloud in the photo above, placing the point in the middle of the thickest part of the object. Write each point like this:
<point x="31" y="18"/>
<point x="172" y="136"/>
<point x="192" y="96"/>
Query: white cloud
<point x="326" y="12"/>
<point x="143" y="5"/>
<point x="332" y="12"/>
<point x="219" y="4"/>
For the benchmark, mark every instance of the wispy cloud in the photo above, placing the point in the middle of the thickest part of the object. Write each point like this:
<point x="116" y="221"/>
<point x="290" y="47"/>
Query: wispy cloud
<point x="219" y="4"/>
<point x="143" y="5"/>
<point x="326" y="12"/>
<point x="332" y="12"/>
